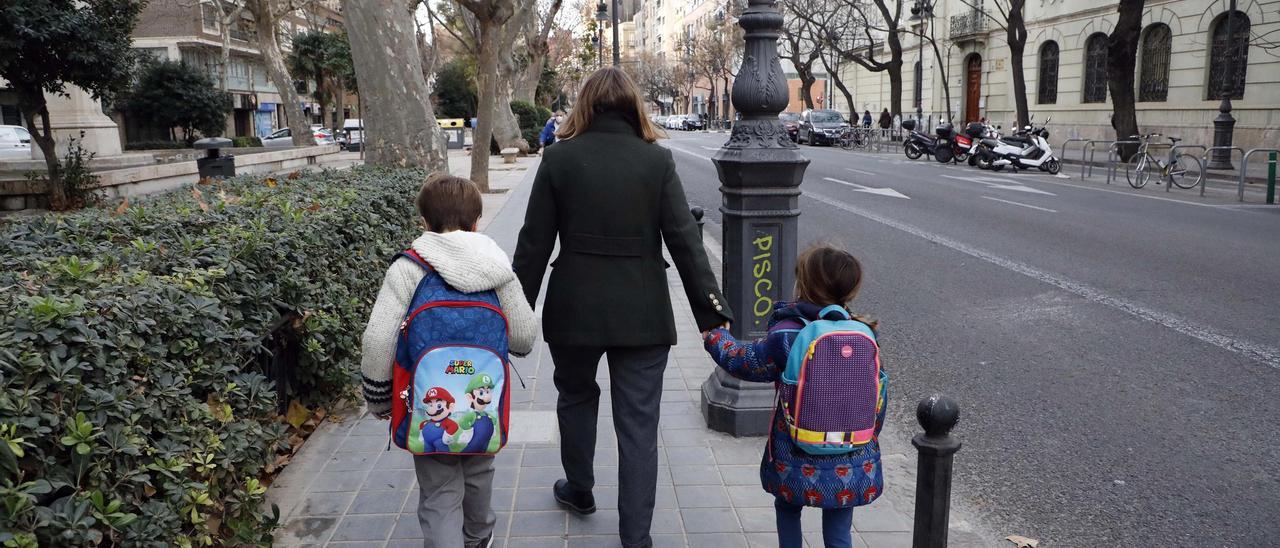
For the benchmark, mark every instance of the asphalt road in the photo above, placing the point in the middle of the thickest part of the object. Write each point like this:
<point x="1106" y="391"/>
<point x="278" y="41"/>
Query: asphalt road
<point x="1116" y="353"/>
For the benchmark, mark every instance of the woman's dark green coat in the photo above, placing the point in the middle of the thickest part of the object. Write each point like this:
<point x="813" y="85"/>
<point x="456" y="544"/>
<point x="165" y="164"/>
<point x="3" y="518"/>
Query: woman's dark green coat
<point x="613" y="199"/>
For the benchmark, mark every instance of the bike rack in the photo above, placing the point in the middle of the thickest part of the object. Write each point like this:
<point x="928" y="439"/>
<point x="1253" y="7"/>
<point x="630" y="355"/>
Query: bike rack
<point x="1089" y="147"/>
<point x="1063" y="148"/>
<point x="1174" y="151"/>
<point x="1113" y="151"/>
<point x="1244" y="168"/>
<point x="1204" y="163"/>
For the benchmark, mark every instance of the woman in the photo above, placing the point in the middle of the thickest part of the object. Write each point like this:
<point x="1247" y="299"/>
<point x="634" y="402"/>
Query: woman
<point x="612" y="196"/>
<point x="886" y="119"/>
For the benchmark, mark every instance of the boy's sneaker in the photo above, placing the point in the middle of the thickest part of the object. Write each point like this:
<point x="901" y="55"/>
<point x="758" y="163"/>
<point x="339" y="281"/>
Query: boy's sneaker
<point x="581" y="502"/>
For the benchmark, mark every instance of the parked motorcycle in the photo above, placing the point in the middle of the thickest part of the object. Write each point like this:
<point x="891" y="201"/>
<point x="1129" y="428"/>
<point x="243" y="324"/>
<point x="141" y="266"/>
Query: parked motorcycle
<point x="949" y="146"/>
<point x="976" y="132"/>
<point x="1026" y="149"/>
<point x="917" y="143"/>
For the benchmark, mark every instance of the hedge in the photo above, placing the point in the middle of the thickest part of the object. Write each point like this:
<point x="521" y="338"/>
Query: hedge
<point x="133" y="409"/>
<point x="245" y="142"/>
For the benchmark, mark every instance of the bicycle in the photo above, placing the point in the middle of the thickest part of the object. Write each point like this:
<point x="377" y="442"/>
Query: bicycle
<point x="852" y="138"/>
<point x="1182" y="170"/>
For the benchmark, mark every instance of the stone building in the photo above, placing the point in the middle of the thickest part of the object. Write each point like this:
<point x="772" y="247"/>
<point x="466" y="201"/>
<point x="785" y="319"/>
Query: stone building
<point x="1186" y="59"/>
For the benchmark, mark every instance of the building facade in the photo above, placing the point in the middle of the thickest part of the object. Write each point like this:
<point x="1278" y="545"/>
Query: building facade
<point x="1186" y="59"/>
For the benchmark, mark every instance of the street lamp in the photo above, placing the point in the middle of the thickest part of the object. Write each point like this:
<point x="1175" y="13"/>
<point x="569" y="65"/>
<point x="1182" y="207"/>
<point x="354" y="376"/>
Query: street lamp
<point x="613" y="14"/>
<point x="595" y="45"/>
<point x="921" y="11"/>
<point x="1225" y="123"/>
<point x="602" y="15"/>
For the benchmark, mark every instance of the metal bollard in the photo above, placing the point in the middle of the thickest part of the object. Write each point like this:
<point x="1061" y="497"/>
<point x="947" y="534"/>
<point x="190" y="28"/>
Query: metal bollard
<point x="937" y="414"/>
<point x="1271" y="178"/>
<point x="697" y="213"/>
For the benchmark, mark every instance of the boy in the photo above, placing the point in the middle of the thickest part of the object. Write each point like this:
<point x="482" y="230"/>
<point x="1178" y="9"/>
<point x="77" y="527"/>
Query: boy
<point x="453" y="506"/>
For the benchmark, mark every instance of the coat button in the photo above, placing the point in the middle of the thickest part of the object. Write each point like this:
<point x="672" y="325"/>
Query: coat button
<point x="719" y="308"/>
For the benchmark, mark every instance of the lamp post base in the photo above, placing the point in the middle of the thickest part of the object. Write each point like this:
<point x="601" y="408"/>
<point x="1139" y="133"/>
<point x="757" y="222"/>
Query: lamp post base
<point x="736" y="407"/>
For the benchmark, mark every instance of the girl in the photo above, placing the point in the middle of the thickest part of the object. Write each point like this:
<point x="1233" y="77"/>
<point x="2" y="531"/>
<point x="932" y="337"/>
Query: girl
<point x="835" y="483"/>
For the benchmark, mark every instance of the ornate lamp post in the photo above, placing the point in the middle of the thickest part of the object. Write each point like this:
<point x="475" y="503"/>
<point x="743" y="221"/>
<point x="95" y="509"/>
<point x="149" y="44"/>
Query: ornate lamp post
<point x="760" y="172"/>
<point x="613" y="14"/>
<point x="921" y="11"/>
<point x="602" y="15"/>
<point x="1224" y="125"/>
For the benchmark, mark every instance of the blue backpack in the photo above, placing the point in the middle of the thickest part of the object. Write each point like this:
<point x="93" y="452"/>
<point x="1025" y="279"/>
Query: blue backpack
<point x="832" y="388"/>
<point x="449" y="383"/>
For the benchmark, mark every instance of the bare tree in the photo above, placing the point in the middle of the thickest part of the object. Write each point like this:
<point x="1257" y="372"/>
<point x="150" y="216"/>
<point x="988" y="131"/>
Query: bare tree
<point x="490" y="16"/>
<point x="1122" y="53"/>
<point x="654" y="76"/>
<point x="537" y="30"/>
<point x="799" y="47"/>
<point x="401" y="128"/>
<point x="266" y="16"/>
<point x="717" y="49"/>
<point x="1008" y="15"/>
<point x="881" y="26"/>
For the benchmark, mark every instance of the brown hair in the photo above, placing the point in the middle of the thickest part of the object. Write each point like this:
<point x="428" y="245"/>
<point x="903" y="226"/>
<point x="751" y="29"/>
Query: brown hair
<point x="449" y="203"/>
<point x="609" y="90"/>
<point x="826" y="275"/>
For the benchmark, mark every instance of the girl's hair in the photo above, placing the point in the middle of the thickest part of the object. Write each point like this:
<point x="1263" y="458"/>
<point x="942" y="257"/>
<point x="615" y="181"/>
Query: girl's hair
<point x="609" y="90"/>
<point x="826" y="275"/>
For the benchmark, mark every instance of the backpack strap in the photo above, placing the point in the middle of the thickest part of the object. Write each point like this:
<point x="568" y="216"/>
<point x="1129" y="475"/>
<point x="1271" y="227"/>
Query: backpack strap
<point x="412" y="255"/>
<point x="833" y="308"/>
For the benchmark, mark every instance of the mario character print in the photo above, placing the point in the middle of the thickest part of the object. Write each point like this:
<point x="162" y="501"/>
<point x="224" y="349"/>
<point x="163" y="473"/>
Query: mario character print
<point x="482" y="424"/>
<point x="439" y="431"/>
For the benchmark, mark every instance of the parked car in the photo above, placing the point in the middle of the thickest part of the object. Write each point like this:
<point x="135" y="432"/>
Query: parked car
<point x="284" y="138"/>
<point x="791" y="123"/>
<point x="675" y="122"/>
<point x="694" y="122"/>
<point x="820" y="126"/>
<point x="15" y="142"/>
<point x="660" y="121"/>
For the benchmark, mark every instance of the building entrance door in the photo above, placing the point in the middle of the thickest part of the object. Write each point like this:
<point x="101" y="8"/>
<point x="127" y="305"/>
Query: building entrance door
<point x="973" y="88"/>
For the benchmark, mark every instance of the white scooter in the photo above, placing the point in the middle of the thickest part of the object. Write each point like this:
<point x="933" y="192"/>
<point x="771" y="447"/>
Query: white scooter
<point x="1025" y="151"/>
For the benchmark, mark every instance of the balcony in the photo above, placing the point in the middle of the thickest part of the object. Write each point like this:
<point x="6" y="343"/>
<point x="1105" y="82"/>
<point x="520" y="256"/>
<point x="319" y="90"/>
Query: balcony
<point x="968" y="25"/>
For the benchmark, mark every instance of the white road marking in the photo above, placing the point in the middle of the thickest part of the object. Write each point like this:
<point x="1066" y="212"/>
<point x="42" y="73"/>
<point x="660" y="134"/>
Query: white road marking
<point x="862" y="172"/>
<point x="1136" y="195"/>
<point x="689" y="152"/>
<point x="1267" y="355"/>
<point x="869" y="190"/>
<point x="1022" y="204"/>
<point x="710" y="148"/>
<point x="997" y="183"/>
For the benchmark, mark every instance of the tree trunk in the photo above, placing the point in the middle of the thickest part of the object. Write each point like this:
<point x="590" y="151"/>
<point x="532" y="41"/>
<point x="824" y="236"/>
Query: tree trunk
<point x="487" y="74"/>
<point x="400" y="125"/>
<point x="895" y="74"/>
<point x="31" y="101"/>
<point x="224" y="56"/>
<point x="269" y="48"/>
<point x="806" y="86"/>
<point x="844" y="90"/>
<point x="1122" y="51"/>
<point x="341" y="108"/>
<point x="1017" y="38"/>
<point x="526" y="81"/>
<point x="506" y="127"/>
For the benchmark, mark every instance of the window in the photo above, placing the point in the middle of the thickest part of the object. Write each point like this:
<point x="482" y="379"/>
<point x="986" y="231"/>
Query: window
<point x="1047" y="82"/>
<point x="1229" y="55"/>
<point x="23" y="136"/>
<point x="1153" y="77"/>
<point x="919" y="85"/>
<point x="1095" y="69"/>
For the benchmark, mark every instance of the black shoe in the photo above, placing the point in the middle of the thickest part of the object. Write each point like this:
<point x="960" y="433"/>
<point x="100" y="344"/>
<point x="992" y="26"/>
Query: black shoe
<point x="581" y="502"/>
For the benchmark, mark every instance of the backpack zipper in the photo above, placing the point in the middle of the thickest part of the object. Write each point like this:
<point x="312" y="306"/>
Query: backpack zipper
<point x="404" y="326"/>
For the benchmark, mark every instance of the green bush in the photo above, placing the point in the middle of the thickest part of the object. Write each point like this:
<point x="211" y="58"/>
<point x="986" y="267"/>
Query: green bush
<point x="156" y="145"/>
<point x="531" y="121"/>
<point x="245" y="142"/>
<point x="133" y="409"/>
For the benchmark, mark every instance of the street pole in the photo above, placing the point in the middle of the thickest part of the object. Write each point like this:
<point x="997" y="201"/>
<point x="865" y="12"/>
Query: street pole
<point x="1224" y="125"/>
<point x="617" y="60"/>
<point x="760" y="171"/>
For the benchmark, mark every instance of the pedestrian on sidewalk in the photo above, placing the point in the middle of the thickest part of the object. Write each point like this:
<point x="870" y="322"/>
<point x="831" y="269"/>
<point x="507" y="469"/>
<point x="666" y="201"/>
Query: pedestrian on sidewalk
<point x="866" y="119"/>
<point x="454" y="490"/>
<point x="827" y="279"/>
<point x="612" y="196"/>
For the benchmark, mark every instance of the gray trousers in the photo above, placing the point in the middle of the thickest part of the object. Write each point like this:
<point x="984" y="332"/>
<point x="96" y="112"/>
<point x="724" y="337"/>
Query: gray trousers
<point x="454" y="504"/>
<point x="635" y="385"/>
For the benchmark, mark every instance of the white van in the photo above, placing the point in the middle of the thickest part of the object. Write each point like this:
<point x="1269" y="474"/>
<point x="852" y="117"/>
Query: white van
<point x="15" y="142"/>
<point x="353" y="130"/>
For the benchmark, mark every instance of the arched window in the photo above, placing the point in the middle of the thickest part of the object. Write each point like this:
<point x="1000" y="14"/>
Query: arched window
<point x="1153" y="79"/>
<point x="1047" y="83"/>
<point x="1095" y="69"/>
<point x="919" y="85"/>
<point x="1229" y="55"/>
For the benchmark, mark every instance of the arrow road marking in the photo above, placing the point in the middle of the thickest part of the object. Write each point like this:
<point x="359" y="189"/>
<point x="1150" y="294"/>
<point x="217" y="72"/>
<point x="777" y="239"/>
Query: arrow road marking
<point x="862" y="172"/>
<point x="1022" y="204"/>
<point x="869" y="190"/>
<point x="993" y="182"/>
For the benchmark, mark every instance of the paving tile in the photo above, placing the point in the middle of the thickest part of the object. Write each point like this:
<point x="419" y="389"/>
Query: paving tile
<point x="749" y="496"/>
<point x="738" y="454"/>
<point x="395" y="459"/>
<point x="757" y="520"/>
<point x="717" y="540"/>
<point x="502" y="499"/>
<point x="606" y="498"/>
<point x="695" y="475"/>
<point x="885" y="540"/>
<point x="535" y="524"/>
<point x="665" y="497"/>
<point x="879" y="516"/>
<point x="357" y="544"/>
<point x="294" y="479"/>
<point x="356" y="462"/>
<point x="541" y="456"/>
<point x="710" y="520"/>
<point x="740" y="475"/>
<point x="365" y="444"/>
<point x="599" y="523"/>
<point x="762" y="540"/>
<point x="538" y="498"/>
<point x="301" y="529"/>
<point x="394" y="480"/>
<point x="406" y="527"/>
<point x="336" y="481"/>
<point x="596" y="541"/>
<point x="689" y="456"/>
<point x="702" y="496"/>
<point x="666" y="521"/>
<point x="378" y="502"/>
<point x="537" y="477"/>
<point x="669" y="541"/>
<point x="536" y="542"/>
<point x="416" y="543"/>
<point x="324" y="504"/>
<point x="364" y="527"/>
<point x="684" y="438"/>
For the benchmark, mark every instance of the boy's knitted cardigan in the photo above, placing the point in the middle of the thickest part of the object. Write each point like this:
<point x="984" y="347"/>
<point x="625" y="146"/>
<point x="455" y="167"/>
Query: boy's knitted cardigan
<point x="469" y="262"/>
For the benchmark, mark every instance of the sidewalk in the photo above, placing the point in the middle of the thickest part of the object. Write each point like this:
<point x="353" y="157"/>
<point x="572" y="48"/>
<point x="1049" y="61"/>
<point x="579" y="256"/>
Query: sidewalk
<point x="345" y="489"/>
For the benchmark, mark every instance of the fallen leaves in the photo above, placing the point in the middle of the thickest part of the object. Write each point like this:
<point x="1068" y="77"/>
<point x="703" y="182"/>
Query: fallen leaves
<point x="124" y="206"/>
<point x="199" y="197"/>
<point x="270" y="182"/>
<point x="297" y="414"/>
<point x="1023" y="542"/>
<point x="294" y="175"/>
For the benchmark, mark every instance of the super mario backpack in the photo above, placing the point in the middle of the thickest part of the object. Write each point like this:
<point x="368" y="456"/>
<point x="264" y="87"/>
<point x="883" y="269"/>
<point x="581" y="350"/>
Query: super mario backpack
<point x="449" y="382"/>
<point x="831" y="389"/>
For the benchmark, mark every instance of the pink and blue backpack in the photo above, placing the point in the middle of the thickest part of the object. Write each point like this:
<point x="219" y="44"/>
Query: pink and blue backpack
<point x="449" y="382"/>
<point x="831" y="388"/>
